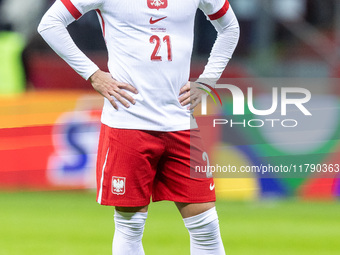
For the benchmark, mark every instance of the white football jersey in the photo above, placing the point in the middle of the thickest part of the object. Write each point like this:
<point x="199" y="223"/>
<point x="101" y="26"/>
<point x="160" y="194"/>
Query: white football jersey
<point x="149" y="45"/>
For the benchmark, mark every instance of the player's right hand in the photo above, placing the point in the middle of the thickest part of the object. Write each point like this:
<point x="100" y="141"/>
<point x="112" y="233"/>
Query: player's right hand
<point x="108" y="87"/>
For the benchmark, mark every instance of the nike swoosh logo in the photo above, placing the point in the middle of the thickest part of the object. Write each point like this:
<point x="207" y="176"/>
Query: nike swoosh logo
<point x="153" y="21"/>
<point x="212" y="186"/>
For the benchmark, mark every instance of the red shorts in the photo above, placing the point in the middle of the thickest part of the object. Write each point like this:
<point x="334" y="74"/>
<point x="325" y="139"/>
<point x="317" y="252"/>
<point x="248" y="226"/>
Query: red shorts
<point x="133" y="165"/>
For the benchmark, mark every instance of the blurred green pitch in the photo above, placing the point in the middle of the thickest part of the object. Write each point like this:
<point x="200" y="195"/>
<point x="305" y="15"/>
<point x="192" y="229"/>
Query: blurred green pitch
<point x="72" y="223"/>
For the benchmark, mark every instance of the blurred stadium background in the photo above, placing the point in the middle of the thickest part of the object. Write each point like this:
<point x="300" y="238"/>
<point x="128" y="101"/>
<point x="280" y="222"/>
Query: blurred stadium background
<point x="49" y="124"/>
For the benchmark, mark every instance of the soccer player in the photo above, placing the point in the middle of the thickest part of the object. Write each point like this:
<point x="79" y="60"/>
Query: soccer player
<point x="144" y="144"/>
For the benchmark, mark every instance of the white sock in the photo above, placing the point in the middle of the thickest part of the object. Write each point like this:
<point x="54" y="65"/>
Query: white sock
<point x="205" y="237"/>
<point x="128" y="235"/>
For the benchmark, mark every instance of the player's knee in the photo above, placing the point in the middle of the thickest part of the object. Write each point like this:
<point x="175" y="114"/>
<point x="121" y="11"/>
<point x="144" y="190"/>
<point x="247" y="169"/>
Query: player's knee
<point x="205" y="237"/>
<point x="204" y="227"/>
<point x="130" y="225"/>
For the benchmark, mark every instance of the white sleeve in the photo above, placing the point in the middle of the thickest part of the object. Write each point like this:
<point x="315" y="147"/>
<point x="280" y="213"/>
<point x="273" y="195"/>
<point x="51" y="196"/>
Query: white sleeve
<point x="53" y="29"/>
<point x="228" y="35"/>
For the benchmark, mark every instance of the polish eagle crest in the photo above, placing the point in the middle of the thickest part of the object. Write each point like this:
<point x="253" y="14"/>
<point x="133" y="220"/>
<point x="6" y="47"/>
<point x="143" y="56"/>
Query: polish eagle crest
<point x="118" y="185"/>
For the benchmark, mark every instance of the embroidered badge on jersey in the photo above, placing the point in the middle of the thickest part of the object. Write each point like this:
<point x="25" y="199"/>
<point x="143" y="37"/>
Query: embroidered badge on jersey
<point x="157" y="4"/>
<point x="118" y="185"/>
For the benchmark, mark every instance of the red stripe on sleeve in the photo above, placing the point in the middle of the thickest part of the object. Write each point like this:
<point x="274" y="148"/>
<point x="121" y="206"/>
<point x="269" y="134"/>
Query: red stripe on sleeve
<point x="103" y="21"/>
<point x="221" y="12"/>
<point x="72" y="9"/>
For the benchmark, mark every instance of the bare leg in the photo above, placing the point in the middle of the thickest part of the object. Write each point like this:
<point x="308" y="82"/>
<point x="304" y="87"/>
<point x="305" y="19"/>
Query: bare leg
<point x="132" y="209"/>
<point x="189" y="210"/>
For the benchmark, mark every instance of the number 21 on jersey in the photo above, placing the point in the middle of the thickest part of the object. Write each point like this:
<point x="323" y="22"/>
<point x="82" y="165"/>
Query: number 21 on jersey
<point x="158" y="44"/>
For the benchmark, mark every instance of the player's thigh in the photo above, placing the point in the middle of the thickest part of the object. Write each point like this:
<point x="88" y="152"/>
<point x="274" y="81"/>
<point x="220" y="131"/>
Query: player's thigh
<point x="193" y="209"/>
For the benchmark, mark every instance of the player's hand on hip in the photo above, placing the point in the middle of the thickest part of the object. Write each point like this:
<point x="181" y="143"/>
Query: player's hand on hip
<point x="108" y="87"/>
<point x="191" y="95"/>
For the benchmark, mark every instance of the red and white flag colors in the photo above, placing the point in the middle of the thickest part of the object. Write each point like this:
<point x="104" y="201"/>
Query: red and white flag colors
<point x="157" y="4"/>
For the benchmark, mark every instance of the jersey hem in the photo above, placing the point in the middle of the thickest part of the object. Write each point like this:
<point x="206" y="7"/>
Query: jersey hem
<point x="127" y="204"/>
<point x="131" y="204"/>
<point x="179" y="127"/>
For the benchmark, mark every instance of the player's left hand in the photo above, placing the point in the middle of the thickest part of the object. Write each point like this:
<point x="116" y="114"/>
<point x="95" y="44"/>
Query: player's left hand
<point x="191" y="95"/>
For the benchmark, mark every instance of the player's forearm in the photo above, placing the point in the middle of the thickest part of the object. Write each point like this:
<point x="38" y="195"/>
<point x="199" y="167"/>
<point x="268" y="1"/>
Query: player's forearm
<point x="224" y="47"/>
<point x="53" y="29"/>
